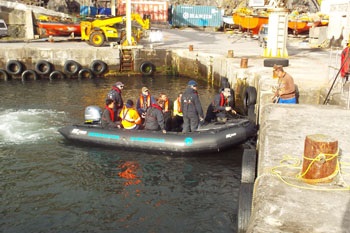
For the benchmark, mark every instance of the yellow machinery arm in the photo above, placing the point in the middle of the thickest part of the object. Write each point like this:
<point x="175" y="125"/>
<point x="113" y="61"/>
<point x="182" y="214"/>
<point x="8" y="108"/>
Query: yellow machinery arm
<point x="98" y="31"/>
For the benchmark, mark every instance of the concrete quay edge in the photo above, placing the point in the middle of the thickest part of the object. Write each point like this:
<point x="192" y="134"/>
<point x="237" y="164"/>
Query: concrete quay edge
<point x="284" y="203"/>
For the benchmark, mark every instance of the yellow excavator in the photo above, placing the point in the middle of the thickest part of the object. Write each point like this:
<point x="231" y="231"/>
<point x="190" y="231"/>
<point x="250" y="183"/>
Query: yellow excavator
<point x="112" y="29"/>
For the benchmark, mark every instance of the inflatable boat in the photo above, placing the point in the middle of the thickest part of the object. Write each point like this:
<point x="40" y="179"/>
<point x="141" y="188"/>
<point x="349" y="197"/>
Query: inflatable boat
<point x="209" y="138"/>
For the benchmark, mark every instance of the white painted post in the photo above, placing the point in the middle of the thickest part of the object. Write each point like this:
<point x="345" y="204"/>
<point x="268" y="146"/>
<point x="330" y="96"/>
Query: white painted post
<point x="128" y="21"/>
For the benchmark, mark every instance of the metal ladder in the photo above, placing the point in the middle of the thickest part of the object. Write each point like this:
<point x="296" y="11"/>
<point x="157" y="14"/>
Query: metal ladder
<point x="126" y="60"/>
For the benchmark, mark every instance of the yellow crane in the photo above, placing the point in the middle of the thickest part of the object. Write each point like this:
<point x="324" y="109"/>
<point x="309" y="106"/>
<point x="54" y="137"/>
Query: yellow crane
<point x="99" y="31"/>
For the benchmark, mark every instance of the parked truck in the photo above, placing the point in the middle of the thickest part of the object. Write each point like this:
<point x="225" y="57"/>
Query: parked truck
<point x="3" y="28"/>
<point x="112" y="29"/>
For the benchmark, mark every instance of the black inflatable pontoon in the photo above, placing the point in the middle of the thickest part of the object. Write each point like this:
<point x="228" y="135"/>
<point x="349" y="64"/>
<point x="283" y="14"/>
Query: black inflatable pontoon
<point x="213" y="137"/>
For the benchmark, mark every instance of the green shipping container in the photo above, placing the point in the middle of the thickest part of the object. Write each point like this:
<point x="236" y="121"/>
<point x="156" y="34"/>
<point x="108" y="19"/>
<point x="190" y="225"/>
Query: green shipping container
<point x="197" y="16"/>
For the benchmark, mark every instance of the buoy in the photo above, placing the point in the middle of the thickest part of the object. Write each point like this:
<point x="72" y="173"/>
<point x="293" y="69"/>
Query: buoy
<point x="244" y="62"/>
<point x="230" y="54"/>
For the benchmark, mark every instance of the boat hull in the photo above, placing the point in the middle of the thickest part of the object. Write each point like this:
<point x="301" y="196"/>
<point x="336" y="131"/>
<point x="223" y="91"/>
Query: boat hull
<point x="250" y="23"/>
<point x="58" y="29"/>
<point x="209" y="138"/>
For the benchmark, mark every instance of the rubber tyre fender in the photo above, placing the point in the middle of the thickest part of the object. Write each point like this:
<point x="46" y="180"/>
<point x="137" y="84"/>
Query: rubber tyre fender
<point x="245" y="198"/>
<point x="249" y="98"/>
<point x="270" y="62"/>
<point x="56" y="74"/>
<point x="85" y="73"/>
<point x="248" y="173"/>
<point x="71" y="67"/>
<point x="29" y="75"/>
<point x="147" y="68"/>
<point x="43" y="67"/>
<point x="14" y="67"/>
<point x="4" y="75"/>
<point x="98" y="67"/>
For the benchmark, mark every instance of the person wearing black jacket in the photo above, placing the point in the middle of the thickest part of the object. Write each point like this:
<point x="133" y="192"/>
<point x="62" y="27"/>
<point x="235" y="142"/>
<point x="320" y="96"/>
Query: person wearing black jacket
<point x="191" y="108"/>
<point x="107" y="120"/>
<point x="220" y="106"/>
<point x="116" y="95"/>
<point x="154" y="117"/>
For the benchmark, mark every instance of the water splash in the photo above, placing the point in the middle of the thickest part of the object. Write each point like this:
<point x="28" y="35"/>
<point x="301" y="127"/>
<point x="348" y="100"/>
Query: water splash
<point x="28" y="126"/>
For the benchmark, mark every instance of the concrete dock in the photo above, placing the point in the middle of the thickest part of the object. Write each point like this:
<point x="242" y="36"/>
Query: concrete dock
<point x="281" y="201"/>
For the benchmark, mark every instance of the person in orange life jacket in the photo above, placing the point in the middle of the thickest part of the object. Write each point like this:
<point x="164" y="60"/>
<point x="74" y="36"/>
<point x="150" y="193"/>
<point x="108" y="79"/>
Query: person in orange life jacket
<point x="345" y="62"/>
<point x="177" y="119"/>
<point x="191" y="108"/>
<point x="129" y="116"/>
<point x="285" y="92"/>
<point x="220" y="106"/>
<point x="107" y="120"/>
<point x="166" y="111"/>
<point x="155" y="118"/>
<point x="144" y="101"/>
<point x="116" y="94"/>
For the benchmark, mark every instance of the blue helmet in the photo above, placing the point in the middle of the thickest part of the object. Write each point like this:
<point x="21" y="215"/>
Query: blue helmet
<point x="192" y="83"/>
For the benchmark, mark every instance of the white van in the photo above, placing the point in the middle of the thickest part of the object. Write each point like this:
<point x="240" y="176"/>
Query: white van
<point x="3" y="28"/>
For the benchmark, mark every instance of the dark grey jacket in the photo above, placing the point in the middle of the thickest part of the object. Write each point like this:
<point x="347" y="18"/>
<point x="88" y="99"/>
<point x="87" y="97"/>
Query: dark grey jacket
<point x="190" y="103"/>
<point x="106" y="120"/>
<point x="154" y="118"/>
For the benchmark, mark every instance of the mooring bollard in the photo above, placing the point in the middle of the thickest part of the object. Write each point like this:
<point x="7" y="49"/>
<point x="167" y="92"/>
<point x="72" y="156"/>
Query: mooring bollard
<point x="230" y="54"/>
<point x="244" y="62"/>
<point x="320" y="161"/>
<point x="190" y="48"/>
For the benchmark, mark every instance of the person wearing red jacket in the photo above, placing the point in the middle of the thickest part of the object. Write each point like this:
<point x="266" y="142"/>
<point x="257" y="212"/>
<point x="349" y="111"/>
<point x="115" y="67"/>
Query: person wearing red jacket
<point x="345" y="62"/>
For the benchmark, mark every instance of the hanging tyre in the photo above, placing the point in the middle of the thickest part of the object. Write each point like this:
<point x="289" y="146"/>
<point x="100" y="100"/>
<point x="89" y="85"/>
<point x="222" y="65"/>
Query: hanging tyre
<point x="248" y="173"/>
<point x="98" y="67"/>
<point x="14" y="67"/>
<point x="43" y="67"/>
<point x="56" y="74"/>
<point x="270" y="62"/>
<point x="85" y="73"/>
<point x="147" y="68"/>
<point x="97" y="38"/>
<point x="29" y="75"/>
<point x="249" y="98"/>
<point x="3" y="75"/>
<point x="71" y="67"/>
<point x="245" y="198"/>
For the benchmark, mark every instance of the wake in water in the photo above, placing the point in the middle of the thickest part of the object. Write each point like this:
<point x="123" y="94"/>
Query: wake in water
<point x="28" y="126"/>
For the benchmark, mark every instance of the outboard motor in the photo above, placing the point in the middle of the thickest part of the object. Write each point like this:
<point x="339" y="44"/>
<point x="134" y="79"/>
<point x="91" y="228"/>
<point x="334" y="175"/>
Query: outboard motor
<point x="93" y="115"/>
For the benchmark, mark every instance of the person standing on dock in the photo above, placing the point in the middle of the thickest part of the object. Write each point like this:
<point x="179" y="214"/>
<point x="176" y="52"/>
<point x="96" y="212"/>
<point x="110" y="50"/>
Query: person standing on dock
<point x="285" y="92"/>
<point x="191" y="108"/>
<point x="345" y="62"/>
<point x="116" y="95"/>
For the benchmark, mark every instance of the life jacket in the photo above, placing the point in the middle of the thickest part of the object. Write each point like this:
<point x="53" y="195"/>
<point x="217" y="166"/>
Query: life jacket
<point x="111" y="113"/>
<point x="223" y="101"/>
<point x="177" y="107"/>
<point x="144" y="105"/>
<point x="345" y="62"/>
<point x="128" y="118"/>
<point x="166" y="106"/>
